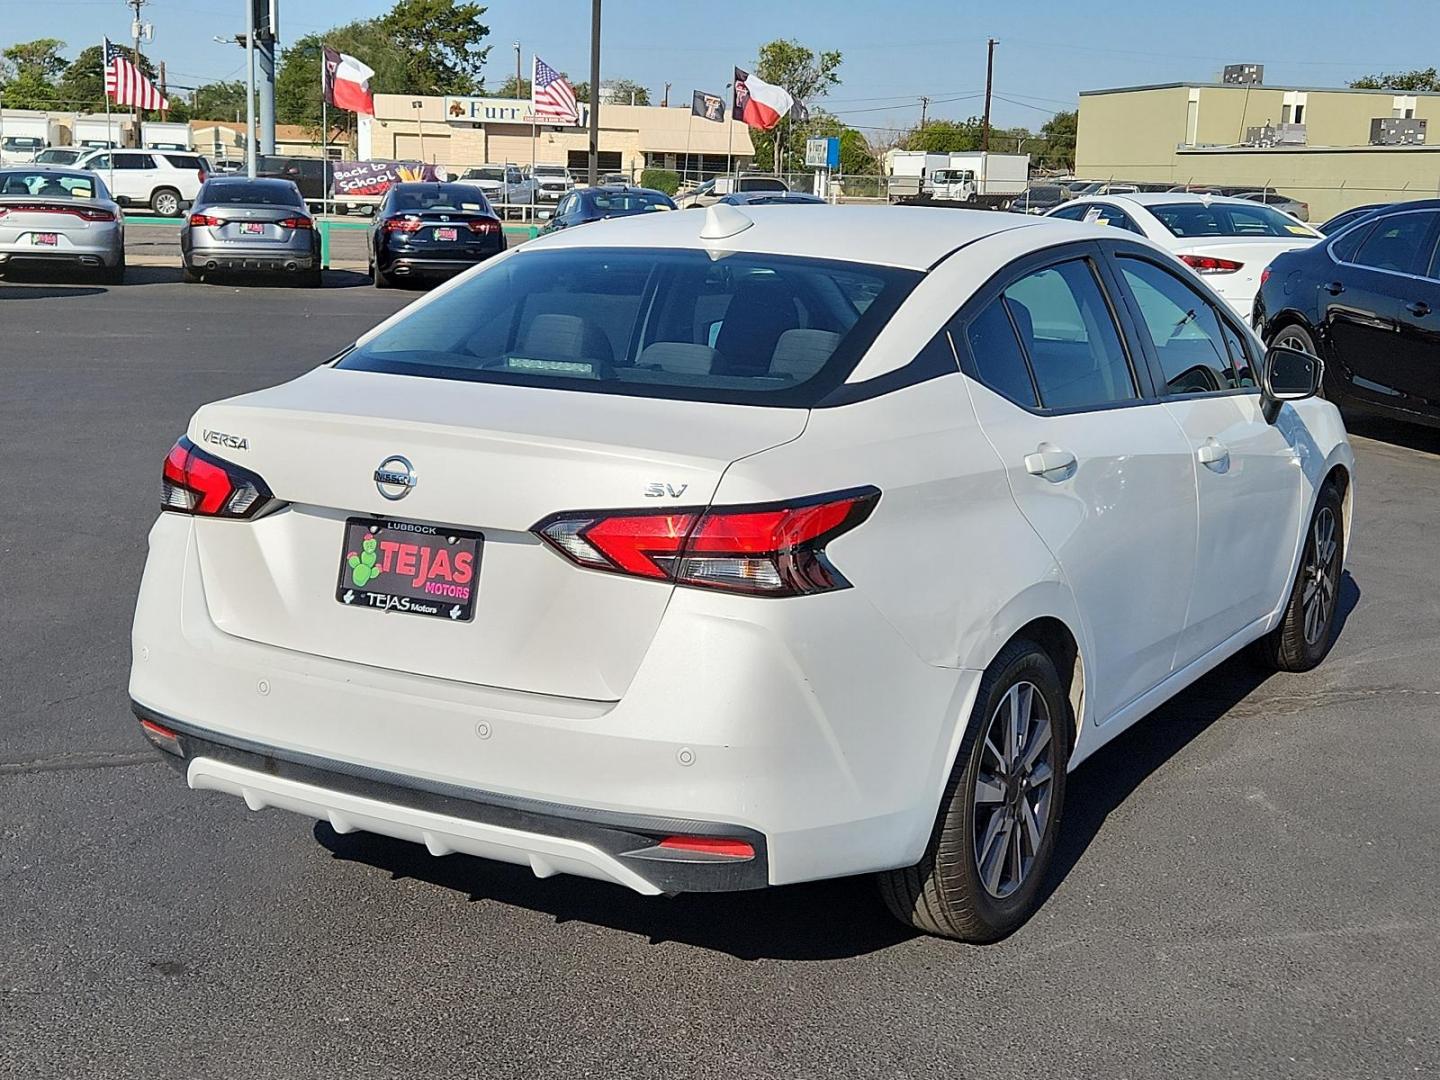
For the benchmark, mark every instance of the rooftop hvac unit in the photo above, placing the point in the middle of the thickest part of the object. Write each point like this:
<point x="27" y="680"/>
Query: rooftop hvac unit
<point x="1253" y="74"/>
<point x="1275" y="135"/>
<point x="1396" y="131"/>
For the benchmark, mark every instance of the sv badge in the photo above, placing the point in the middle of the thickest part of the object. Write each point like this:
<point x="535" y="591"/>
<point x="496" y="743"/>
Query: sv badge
<point x="657" y="490"/>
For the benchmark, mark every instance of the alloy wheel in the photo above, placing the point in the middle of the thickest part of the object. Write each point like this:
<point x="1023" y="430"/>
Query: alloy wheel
<point x="1013" y="789"/>
<point x="1318" y="578"/>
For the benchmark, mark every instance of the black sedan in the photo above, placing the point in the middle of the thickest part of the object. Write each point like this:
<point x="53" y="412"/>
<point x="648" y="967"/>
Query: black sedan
<point x="1367" y="301"/>
<point x="432" y="230"/>
<point x="583" y="205"/>
<point x="1346" y="218"/>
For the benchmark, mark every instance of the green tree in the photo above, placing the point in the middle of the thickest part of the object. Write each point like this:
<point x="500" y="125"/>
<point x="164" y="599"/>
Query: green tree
<point x="1428" y="79"/>
<point x="622" y="92"/>
<point x="82" y="86"/>
<point x="1059" y="135"/>
<point x="512" y="89"/>
<point x="441" y="43"/>
<point x="945" y="136"/>
<point x="219" y="101"/>
<point x="297" y="83"/>
<point x="28" y="71"/>
<point x="808" y="76"/>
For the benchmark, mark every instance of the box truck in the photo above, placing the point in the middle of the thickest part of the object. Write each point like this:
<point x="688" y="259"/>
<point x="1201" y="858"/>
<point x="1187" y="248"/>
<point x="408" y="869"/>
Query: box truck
<point x="908" y="172"/>
<point x="24" y="133"/>
<point x="978" y="178"/>
<point x="156" y="135"/>
<point x="100" y="131"/>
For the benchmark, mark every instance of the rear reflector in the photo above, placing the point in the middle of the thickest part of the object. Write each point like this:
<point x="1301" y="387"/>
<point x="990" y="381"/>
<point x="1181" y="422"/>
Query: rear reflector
<point x="1209" y="264"/>
<point x="709" y="845"/>
<point x="194" y="482"/>
<point x="162" y="737"/>
<point x="776" y="549"/>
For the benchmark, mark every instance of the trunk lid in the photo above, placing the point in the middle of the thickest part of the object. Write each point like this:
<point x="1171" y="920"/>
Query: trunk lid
<point x="486" y="458"/>
<point x="251" y="223"/>
<point x="1254" y="253"/>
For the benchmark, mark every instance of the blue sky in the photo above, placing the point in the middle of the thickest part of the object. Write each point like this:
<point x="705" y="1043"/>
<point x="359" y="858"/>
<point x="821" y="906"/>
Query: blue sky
<point x="895" y="50"/>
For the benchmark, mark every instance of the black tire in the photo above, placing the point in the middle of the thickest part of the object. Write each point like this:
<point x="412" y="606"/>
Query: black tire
<point x="1297" y="643"/>
<point x="162" y="197"/>
<point x="945" y="893"/>
<point x="114" y="275"/>
<point x="382" y="279"/>
<point x="189" y="275"/>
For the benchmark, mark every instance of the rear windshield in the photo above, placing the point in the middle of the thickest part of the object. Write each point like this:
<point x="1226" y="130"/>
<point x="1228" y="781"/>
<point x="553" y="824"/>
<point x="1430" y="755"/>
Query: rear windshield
<point x="746" y="329"/>
<point x="57" y="157"/>
<point x="21" y="142"/>
<point x="1227" y="219"/>
<point x="756" y="183"/>
<point x="232" y="193"/>
<point x="454" y="197"/>
<point x="484" y="174"/>
<point x="631" y="202"/>
<point x="50" y="185"/>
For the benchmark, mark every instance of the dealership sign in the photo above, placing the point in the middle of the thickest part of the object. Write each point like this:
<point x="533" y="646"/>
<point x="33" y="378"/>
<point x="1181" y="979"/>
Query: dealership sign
<point x="483" y="110"/>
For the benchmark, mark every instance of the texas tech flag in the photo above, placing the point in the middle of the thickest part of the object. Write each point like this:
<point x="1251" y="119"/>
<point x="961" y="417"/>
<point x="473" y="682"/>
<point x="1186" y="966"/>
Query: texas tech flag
<point x="709" y="106"/>
<point x="346" y="82"/>
<point x="758" y="103"/>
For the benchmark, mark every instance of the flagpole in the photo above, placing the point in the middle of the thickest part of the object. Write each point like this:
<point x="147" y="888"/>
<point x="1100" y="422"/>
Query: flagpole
<point x="324" y="142"/>
<point x="110" y="156"/>
<point x="689" y="127"/>
<point x="534" y="191"/>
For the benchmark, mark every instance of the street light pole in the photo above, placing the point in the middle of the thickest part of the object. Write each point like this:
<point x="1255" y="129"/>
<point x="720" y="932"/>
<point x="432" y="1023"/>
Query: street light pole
<point x="519" y="82"/>
<point x="594" y="92"/>
<point x="249" y="89"/>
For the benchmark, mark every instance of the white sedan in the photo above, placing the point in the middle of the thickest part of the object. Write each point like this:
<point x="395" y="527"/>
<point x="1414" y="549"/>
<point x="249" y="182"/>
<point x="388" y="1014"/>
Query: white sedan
<point x="715" y="551"/>
<point x="1227" y="241"/>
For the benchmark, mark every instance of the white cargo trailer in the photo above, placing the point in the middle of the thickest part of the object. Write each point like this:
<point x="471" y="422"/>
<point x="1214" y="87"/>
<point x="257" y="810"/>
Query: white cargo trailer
<point x="102" y="132"/>
<point x="24" y="133"/>
<point x="158" y="135"/>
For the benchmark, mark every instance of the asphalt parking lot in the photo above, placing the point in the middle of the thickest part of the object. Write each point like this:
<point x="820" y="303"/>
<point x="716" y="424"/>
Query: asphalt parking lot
<point x="1246" y="884"/>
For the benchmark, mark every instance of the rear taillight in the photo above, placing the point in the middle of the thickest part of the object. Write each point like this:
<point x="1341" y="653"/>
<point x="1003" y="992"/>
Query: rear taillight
<point x="777" y="549"/>
<point x="485" y="226"/>
<point x="1264" y="276"/>
<point x="194" y="482"/>
<point x="85" y="213"/>
<point x="201" y="174"/>
<point x="297" y="223"/>
<point x="402" y="225"/>
<point x="1209" y="264"/>
<point x="204" y="219"/>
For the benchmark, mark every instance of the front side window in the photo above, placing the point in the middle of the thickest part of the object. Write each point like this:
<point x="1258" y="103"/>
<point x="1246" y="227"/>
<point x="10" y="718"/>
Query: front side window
<point x="1396" y="243"/>
<point x="1069" y="334"/>
<point x="1184" y="330"/>
<point x="748" y="329"/>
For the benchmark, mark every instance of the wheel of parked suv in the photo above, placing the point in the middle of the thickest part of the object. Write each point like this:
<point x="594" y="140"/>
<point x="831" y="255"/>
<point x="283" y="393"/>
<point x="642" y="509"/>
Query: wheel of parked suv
<point x="1307" y="631"/>
<point x="1296" y="336"/>
<point x="995" y="834"/>
<point x="165" y="202"/>
<point x="382" y="279"/>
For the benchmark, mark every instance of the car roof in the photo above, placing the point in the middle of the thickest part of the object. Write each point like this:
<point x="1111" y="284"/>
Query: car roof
<point x="1169" y="198"/>
<point x="269" y="181"/>
<point x="915" y="237"/>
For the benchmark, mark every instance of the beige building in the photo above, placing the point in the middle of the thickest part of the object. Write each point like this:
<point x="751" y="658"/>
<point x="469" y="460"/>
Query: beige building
<point x="1200" y="133"/>
<point x="466" y="131"/>
<point x="222" y="139"/>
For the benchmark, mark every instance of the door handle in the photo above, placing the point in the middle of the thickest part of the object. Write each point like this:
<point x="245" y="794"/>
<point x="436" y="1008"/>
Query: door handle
<point x="1048" y="460"/>
<point x="1418" y="308"/>
<point x="1335" y="288"/>
<point x="1212" y="452"/>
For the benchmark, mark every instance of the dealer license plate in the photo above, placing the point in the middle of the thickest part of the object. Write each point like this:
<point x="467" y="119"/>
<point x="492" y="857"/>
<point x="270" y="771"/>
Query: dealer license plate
<point x="47" y="239"/>
<point x="388" y="565"/>
<point x="253" y="228"/>
<point x="445" y="234"/>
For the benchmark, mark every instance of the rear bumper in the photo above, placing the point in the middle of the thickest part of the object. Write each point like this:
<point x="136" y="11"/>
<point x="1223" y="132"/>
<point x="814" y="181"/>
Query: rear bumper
<point x="106" y="252"/>
<point x="446" y="818"/>
<point x="414" y="264"/>
<point x="267" y="258"/>
<point x="811" y="726"/>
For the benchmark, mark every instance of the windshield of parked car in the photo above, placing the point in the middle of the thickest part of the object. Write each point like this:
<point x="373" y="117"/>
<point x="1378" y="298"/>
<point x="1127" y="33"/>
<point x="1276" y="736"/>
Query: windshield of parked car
<point x="457" y="198"/>
<point x="550" y="170"/>
<point x="630" y="202"/>
<point x="748" y="329"/>
<point x="1199" y="219"/>
<point x="57" y="157"/>
<point x="485" y="174"/>
<point x="51" y="185"/>
<point x="250" y="193"/>
<point x="21" y="142"/>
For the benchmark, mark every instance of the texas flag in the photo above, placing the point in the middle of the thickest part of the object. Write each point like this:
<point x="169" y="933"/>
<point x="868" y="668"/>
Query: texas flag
<point x="758" y="103"/>
<point x="347" y="83"/>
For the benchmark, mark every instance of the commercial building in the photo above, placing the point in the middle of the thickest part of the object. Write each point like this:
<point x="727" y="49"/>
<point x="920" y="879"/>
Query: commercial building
<point x="222" y="139"/>
<point x="468" y="131"/>
<point x="1313" y="144"/>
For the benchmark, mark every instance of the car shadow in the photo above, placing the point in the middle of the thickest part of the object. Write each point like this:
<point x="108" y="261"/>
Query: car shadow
<point x="824" y="920"/>
<point x="331" y="279"/>
<point x="1398" y="432"/>
<point x="46" y="291"/>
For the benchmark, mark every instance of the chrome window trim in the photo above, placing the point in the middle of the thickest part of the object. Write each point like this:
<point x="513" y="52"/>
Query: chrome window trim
<point x="1378" y="269"/>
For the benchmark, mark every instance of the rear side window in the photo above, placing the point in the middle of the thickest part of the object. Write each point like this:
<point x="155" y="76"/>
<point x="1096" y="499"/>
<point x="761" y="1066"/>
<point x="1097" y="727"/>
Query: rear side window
<point x="749" y="329"/>
<point x="1396" y="243"/>
<point x="1184" y="330"/>
<point x="1067" y="331"/>
<point x="1113" y="216"/>
<point x="996" y="352"/>
<point x="1070" y="213"/>
<point x="134" y="161"/>
<point x="183" y="161"/>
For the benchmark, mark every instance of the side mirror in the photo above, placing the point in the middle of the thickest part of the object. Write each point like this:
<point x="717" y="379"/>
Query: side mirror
<point x="1288" y="375"/>
<point x="544" y="215"/>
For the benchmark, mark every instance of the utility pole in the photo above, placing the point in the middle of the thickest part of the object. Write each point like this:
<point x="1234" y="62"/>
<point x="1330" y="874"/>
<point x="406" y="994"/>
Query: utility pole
<point x="665" y="98"/>
<point x="924" y="105"/>
<point x="164" y="113"/>
<point x="249" y="88"/>
<point x="518" y="80"/>
<point x="594" y="92"/>
<point x="989" y="82"/>
<point x="265" y="21"/>
<point x="135" y="53"/>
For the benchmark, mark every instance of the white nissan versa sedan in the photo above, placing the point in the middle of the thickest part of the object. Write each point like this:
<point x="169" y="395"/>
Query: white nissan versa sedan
<point x="715" y="551"/>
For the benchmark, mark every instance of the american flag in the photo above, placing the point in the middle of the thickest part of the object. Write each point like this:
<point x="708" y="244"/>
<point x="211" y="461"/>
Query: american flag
<point x="551" y="95"/>
<point x="126" y="84"/>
